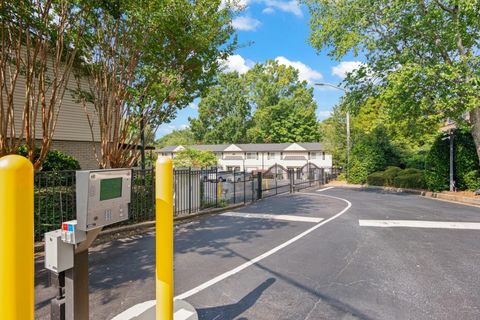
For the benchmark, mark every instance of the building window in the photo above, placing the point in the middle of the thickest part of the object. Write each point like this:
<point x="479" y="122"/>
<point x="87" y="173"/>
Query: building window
<point x="323" y="155"/>
<point x="271" y="155"/>
<point x="313" y="155"/>
<point x="251" y="155"/>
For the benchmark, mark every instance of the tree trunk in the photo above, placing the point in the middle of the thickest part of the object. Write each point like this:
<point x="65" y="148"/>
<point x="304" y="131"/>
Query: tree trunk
<point x="475" y="129"/>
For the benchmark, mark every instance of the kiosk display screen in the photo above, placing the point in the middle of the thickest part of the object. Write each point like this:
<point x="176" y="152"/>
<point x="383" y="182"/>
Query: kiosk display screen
<point x="110" y="188"/>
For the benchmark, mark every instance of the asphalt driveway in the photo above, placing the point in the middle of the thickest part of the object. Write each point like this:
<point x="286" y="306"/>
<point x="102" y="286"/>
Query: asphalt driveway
<point x="303" y="256"/>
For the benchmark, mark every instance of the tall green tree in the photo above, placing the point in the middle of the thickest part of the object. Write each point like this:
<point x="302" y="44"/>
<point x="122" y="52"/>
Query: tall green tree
<point x="145" y="60"/>
<point x="182" y="137"/>
<point x="284" y="105"/>
<point x="224" y="112"/>
<point x="422" y="56"/>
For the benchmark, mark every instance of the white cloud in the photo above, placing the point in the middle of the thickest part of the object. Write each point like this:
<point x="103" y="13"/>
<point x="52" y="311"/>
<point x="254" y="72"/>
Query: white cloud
<point x="193" y="106"/>
<point x="245" y="23"/>
<point x="324" y="114"/>
<point x="304" y="72"/>
<point x="345" y="67"/>
<point x="237" y="63"/>
<point x="292" y="6"/>
<point x="235" y="5"/>
<point x="268" y="10"/>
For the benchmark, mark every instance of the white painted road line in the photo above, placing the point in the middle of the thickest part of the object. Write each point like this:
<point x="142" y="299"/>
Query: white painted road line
<point x="420" y="224"/>
<point x="284" y="217"/>
<point x="247" y="264"/>
<point x="323" y="189"/>
<point x="182" y="314"/>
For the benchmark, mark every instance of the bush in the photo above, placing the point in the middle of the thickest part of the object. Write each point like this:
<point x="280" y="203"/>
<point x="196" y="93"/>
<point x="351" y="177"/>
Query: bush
<point x="472" y="180"/>
<point x="390" y="173"/>
<point x="377" y="179"/>
<point x="411" y="171"/>
<point x="55" y="160"/>
<point x="410" y="181"/>
<point x="438" y="162"/>
<point x="370" y="153"/>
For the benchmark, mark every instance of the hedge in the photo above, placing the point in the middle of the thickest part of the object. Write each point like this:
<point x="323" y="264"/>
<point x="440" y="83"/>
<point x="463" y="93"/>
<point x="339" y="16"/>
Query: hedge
<point x="55" y="160"/>
<point x="465" y="162"/>
<point x="410" y="181"/>
<point x="395" y="177"/>
<point x="377" y="179"/>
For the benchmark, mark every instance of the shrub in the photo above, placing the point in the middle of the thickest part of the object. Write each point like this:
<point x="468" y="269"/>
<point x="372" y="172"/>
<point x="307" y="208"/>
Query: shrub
<point x="437" y="165"/>
<point x="390" y="173"/>
<point x="371" y="152"/>
<point x="438" y="162"/>
<point x="410" y="181"/>
<point x="411" y="171"/>
<point x="472" y="180"/>
<point x="376" y="179"/>
<point x="55" y="160"/>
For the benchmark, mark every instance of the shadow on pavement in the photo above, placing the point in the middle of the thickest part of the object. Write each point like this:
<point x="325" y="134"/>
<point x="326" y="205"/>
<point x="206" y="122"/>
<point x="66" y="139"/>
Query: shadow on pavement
<point x="231" y="311"/>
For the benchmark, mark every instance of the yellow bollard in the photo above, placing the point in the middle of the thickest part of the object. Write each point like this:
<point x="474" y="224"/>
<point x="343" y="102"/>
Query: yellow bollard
<point x="16" y="239"/>
<point x="164" y="238"/>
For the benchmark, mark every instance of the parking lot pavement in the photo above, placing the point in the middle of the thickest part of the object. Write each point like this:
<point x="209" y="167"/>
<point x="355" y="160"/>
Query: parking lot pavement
<point x="264" y="267"/>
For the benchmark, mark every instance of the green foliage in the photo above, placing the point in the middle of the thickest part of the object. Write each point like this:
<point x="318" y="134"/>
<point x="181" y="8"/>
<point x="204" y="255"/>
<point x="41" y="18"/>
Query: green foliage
<point x="422" y="57"/>
<point x="466" y="159"/>
<point x="437" y="165"/>
<point x="410" y="180"/>
<point x="192" y="158"/>
<point x="333" y="136"/>
<point x="371" y="152"/>
<point x="390" y="173"/>
<point x="465" y="162"/>
<point x="54" y="161"/>
<point x="377" y="179"/>
<point x="284" y="108"/>
<point x="182" y="137"/>
<point x="395" y="177"/>
<point x="472" y="180"/>
<point x="284" y="105"/>
<point x="224" y="113"/>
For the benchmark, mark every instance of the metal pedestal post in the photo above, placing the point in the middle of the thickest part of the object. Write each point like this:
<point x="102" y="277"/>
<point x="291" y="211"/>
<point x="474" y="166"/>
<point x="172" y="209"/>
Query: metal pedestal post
<point x="57" y="305"/>
<point x="76" y="288"/>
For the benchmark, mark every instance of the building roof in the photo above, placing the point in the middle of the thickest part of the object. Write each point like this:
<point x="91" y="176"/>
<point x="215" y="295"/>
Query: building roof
<point x="294" y="158"/>
<point x="251" y="147"/>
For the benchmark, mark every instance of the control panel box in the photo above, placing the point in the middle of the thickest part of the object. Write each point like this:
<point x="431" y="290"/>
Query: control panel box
<point x="58" y="254"/>
<point x="103" y="197"/>
<point x="71" y="234"/>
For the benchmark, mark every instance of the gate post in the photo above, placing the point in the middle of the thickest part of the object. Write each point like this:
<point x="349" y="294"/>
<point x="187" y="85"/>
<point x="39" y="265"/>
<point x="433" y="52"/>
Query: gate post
<point x="164" y="238"/>
<point x="16" y="238"/>
<point x="259" y="186"/>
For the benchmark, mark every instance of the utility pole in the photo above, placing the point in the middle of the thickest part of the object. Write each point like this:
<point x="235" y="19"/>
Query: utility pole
<point x="452" y="181"/>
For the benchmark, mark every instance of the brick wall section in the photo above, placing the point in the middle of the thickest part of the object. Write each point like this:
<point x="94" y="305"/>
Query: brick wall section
<point x="81" y="150"/>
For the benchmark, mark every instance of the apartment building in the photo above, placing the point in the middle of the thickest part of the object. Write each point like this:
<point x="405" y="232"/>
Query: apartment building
<point x="260" y="157"/>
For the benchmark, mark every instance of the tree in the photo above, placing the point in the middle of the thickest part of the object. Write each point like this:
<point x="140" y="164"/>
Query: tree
<point x="146" y="60"/>
<point x="40" y="42"/>
<point x="284" y="105"/>
<point x="422" y="56"/>
<point x="182" y="137"/>
<point x="192" y="158"/>
<point x="224" y="112"/>
<point x="333" y="136"/>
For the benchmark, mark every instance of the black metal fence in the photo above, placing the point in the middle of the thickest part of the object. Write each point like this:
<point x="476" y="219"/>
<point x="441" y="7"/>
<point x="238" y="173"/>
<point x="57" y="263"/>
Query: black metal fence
<point x="194" y="190"/>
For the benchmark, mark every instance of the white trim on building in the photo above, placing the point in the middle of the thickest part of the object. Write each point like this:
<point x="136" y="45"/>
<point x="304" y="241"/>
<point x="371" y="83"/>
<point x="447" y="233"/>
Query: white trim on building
<point x="260" y="157"/>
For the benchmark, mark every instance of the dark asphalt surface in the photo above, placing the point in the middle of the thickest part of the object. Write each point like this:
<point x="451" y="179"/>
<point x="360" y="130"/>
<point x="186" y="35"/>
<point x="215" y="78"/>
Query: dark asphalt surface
<point x="338" y="271"/>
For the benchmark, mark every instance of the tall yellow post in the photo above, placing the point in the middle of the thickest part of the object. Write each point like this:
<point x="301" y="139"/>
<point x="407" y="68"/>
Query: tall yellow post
<point x="16" y="239"/>
<point x="164" y="238"/>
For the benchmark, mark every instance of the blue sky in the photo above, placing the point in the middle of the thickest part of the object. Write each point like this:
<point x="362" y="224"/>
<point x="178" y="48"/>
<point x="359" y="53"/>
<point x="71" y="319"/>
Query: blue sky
<point x="279" y="29"/>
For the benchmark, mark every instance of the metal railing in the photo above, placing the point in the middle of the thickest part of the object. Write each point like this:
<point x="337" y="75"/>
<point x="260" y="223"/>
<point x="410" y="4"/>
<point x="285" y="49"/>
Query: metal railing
<point x="194" y="190"/>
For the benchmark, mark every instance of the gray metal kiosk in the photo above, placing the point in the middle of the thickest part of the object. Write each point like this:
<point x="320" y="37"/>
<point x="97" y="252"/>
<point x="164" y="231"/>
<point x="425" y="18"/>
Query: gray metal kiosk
<point x="102" y="198"/>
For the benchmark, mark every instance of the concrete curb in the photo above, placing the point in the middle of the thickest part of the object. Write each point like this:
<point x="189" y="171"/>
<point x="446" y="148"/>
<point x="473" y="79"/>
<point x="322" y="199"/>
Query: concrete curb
<point x="423" y="193"/>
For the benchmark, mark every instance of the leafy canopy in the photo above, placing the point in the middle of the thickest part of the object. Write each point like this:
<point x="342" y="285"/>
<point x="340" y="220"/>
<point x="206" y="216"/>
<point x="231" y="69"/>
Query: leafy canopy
<point x="192" y="158"/>
<point x="268" y="104"/>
